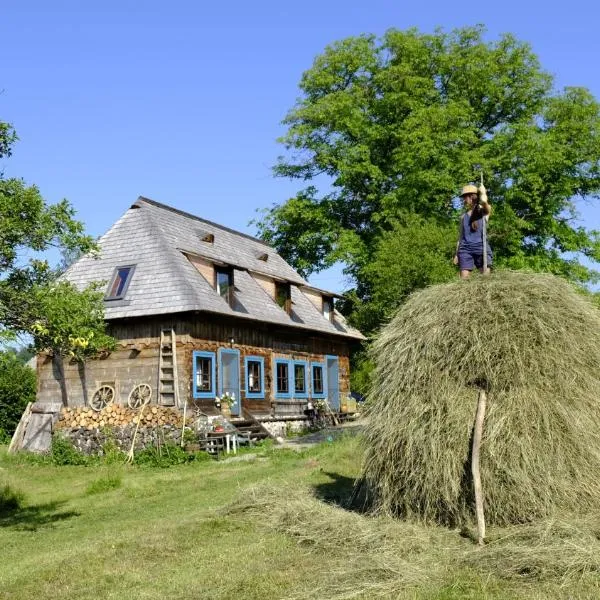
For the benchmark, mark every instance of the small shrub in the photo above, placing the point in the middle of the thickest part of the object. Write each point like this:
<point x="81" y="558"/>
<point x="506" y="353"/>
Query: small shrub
<point x="190" y="436"/>
<point x="17" y="388"/>
<point x="111" y="453"/>
<point x="64" y="453"/>
<point x="164" y="457"/>
<point x="104" y="484"/>
<point x="4" y="437"/>
<point x="10" y="499"/>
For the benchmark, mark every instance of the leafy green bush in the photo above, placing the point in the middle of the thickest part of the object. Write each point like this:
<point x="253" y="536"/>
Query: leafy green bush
<point x="111" y="453"/>
<point x="10" y="499"/>
<point x="17" y="388"/>
<point x="190" y="436"/>
<point x="165" y="456"/>
<point x="64" y="453"/>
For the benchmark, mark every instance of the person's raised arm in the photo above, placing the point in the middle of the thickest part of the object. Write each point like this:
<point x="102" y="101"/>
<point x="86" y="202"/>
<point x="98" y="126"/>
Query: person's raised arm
<point x="484" y="203"/>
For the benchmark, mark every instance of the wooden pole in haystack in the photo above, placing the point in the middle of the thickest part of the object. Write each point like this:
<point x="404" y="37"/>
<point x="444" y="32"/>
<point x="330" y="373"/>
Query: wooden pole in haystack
<point x="481" y="401"/>
<point x="475" y="452"/>
<point x="483" y="200"/>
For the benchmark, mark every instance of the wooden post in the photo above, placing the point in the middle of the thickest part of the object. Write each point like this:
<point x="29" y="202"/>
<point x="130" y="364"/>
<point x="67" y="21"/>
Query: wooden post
<point x="183" y="426"/>
<point x="484" y="232"/>
<point x="475" y="452"/>
<point x="484" y="238"/>
<point x="131" y="453"/>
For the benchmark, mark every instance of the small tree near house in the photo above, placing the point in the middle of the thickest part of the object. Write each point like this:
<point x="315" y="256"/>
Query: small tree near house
<point x="61" y="319"/>
<point x="72" y="326"/>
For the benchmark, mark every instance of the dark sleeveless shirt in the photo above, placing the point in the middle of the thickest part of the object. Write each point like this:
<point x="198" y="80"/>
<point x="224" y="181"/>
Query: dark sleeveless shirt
<point x="471" y="241"/>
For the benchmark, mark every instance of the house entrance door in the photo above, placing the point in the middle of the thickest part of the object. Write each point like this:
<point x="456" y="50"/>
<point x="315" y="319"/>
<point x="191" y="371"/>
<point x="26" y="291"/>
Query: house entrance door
<point x="229" y="380"/>
<point x="333" y="386"/>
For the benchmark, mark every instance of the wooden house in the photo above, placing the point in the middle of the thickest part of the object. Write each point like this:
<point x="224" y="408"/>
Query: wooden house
<point x="200" y="310"/>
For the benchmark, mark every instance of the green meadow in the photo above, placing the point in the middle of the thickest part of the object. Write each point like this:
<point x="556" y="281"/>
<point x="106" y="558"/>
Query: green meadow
<point x="272" y="524"/>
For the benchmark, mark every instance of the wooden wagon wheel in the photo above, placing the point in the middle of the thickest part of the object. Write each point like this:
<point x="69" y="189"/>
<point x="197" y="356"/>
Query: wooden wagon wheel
<point x="102" y="397"/>
<point x="139" y="395"/>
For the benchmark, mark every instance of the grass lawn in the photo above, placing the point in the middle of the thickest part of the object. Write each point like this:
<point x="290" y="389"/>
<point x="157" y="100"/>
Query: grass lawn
<point x="268" y="527"/>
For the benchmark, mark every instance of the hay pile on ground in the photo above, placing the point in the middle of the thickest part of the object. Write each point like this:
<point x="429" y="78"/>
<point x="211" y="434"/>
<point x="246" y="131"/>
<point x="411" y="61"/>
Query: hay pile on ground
<point x="534" y="344"/>
<point x="377" y="557"/>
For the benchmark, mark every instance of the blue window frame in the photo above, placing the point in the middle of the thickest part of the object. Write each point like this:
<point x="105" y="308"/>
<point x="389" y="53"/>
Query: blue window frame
<point x="318" y="380"/>
<point x="254" y="368"/>
<point x="282" y="378"/>
<point x="300" y="379"/>
<point x="204" y="371"/>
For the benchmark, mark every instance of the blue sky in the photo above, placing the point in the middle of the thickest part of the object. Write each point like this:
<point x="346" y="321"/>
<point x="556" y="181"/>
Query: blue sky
<point x="182" y="101"/>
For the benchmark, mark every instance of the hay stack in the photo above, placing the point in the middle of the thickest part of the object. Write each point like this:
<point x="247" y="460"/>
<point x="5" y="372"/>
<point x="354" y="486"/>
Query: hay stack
<point x="534" y="344"/>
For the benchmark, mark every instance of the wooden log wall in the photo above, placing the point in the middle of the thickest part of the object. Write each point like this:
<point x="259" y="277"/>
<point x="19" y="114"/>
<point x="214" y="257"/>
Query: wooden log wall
<point x="135" y="360"/>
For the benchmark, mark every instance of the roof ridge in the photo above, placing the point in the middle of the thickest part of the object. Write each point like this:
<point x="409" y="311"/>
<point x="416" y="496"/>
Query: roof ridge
<point x="191" y="216"/>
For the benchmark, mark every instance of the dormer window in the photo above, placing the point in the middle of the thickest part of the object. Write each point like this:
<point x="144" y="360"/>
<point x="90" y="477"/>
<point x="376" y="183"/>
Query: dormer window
<point x="205" y="236"/>
<point x="224" y="284"/>
<point x="120" y="282"/>
<point x="328" y="307"/>
<point x="283" y="296"/>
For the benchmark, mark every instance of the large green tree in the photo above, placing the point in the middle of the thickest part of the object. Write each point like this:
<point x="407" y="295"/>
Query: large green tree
<point x="387" y="130"/>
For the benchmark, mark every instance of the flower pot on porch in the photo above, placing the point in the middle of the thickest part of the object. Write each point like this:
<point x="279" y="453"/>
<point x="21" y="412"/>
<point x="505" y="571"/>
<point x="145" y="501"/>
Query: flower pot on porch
<point x="226" y="410"/>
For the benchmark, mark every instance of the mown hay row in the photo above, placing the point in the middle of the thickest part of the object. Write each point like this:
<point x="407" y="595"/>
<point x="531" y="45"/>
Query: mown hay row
<point x="375" y="556"/>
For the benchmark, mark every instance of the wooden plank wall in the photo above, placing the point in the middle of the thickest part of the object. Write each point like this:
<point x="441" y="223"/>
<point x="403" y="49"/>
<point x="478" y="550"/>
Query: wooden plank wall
<point x="136" y="359"/>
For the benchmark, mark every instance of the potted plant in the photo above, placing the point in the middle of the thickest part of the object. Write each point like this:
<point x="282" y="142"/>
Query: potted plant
<point x="225" y="402"/>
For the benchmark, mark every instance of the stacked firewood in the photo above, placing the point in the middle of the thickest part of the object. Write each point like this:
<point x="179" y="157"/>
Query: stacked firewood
<point x="115" y="415"/>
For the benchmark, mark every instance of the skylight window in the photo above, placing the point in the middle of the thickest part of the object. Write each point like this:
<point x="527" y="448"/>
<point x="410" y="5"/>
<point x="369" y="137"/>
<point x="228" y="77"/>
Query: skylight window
<point x="120" y="282"/>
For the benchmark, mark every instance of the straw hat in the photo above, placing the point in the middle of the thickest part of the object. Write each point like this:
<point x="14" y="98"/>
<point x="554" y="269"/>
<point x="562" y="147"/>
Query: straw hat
<point x="468" y="189"/>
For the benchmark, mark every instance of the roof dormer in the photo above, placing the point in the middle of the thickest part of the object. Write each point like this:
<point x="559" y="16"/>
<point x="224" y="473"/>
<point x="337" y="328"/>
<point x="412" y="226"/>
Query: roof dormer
<point x="206" y="236"/>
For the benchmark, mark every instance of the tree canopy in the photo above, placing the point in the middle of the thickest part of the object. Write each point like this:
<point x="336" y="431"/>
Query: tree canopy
<point x="387" y="130"/>
<point x="60" y="318"/>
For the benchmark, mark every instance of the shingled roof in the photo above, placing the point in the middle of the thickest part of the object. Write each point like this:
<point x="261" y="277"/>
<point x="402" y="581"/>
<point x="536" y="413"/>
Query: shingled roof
<point x="156" y="239"/>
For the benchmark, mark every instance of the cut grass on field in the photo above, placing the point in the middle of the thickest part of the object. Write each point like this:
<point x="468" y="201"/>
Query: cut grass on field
<point x="273" y="527"/>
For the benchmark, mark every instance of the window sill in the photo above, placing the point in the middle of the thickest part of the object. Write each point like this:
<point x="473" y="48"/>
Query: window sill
<point x="204" y="395"/>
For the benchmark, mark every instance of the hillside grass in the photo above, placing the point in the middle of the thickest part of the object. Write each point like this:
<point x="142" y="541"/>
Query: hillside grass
<point x="274" y="526"/>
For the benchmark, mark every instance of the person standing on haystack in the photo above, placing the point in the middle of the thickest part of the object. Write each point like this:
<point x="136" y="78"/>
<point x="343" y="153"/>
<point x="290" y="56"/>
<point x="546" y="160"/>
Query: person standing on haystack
<point x="473" y="223"/>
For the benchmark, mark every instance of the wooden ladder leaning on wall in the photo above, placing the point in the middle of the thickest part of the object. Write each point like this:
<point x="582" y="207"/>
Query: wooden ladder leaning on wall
<point x="167" y="389"/>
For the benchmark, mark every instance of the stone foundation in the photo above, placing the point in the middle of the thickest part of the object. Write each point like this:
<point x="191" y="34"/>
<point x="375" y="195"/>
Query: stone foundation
<point x="281" y="429"/>
<point x="95" y="441"/>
